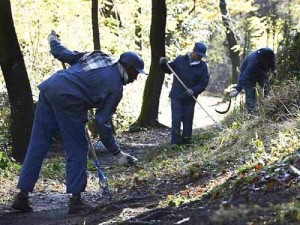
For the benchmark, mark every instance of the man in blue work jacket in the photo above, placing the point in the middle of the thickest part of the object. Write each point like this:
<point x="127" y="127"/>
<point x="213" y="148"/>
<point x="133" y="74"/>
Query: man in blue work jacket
<point x="193" y="72"/>
<point x="93" y="80"/>
<point x="255" y="69"/>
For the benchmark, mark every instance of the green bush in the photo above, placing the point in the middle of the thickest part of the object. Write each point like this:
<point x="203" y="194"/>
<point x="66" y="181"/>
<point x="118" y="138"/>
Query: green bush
<point x="288" y="57"/>
<point x="5" y="137"/>
<point x="7" y="165"/>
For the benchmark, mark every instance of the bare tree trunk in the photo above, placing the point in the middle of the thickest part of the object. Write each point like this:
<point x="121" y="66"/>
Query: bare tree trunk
<point x="17" y="83"/>
<point x="231" y="40"/>
<point x="97" y="46"/>
<point x="95" y="25"/>
<point x="96" y="40"/>
<point x="149" y="112"/>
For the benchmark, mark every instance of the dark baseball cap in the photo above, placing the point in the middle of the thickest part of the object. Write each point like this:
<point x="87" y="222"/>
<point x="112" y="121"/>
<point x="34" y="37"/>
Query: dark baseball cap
<point x="200" y="49"/>
<point x="133" y="59"/>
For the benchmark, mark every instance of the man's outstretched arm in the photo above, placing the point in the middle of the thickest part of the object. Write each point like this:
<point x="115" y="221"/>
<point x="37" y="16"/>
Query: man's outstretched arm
<point x="60" y="52"/>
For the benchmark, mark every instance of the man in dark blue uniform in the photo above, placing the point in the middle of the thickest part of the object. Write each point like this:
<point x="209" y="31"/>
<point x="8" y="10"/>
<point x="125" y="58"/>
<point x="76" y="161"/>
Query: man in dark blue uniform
<point x="93" y="80"/>
<point x="193" y="72"/>
<point x="255" y="69"/>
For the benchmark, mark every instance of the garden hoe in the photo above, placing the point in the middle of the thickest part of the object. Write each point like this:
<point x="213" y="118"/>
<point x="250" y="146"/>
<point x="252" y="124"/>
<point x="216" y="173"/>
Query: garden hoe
<point x="186" y="88"/>
<point x="103" y="183"/>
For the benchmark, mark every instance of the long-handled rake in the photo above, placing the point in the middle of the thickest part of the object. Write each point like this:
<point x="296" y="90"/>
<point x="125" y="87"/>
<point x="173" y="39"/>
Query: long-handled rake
<point x="220" y="126"/>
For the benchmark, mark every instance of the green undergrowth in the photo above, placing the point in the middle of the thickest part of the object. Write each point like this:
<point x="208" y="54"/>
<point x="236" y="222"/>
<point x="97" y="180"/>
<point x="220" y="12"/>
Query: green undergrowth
<point x="251" y="150"/>
<point x="251" y="155"/>
<point x="244" y="147"/>
<point x="8" y="166"/>
<point x="255" y="214"/>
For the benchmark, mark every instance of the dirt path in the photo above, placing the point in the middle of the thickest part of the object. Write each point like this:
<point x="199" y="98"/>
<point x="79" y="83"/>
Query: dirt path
<point x="51" y="207"/>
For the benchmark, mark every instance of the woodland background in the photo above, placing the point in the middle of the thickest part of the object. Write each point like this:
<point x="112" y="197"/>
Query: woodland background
<point x="248" y="162"/>
<point x="230" y="29"/>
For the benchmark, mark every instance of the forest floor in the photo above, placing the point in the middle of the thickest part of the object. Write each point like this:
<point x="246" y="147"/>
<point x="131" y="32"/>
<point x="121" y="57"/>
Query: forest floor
<point x="208" y="192"/>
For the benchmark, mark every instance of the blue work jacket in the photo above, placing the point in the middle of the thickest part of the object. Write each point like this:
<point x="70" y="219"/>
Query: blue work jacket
<point x="195" y="77"/>
<point x="255" y="67"/>
<point x="76" y="89"/>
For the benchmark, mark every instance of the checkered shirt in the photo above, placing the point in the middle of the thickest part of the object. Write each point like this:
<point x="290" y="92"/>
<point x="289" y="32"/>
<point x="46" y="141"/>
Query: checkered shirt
<point x="95" y="60"/>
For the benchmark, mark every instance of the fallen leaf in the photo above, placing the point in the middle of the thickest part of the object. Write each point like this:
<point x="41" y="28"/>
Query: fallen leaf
<point x="186" y="192"/>
<point x="258" y="166"/>
<point x="272" y="184"/>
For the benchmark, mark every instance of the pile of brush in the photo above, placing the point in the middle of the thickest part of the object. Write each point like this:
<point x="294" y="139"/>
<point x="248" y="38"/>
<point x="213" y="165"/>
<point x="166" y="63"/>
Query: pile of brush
<point x="283" y="102"/>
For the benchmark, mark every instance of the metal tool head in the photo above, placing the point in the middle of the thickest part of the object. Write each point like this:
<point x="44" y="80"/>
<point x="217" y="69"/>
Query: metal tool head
<point x="106" y="193"/>
<point x="103" y="182"/>
<point x="226" y="110"/>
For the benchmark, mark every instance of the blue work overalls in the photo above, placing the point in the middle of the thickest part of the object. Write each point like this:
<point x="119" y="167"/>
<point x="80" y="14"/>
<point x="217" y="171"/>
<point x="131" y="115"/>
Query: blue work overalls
<point x="195" y="77"/>
<point x="254" y="70"/>
<point x="63" y="103"/>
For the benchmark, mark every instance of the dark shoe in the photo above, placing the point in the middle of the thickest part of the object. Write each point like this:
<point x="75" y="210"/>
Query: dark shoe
<point x="77" y="205"/>
<point x="186" y="141"/>
<point x="21" y="203"/>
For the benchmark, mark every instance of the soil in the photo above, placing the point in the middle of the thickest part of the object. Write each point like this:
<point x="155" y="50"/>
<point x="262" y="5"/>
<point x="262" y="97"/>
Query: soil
<point x="141" y="203"/>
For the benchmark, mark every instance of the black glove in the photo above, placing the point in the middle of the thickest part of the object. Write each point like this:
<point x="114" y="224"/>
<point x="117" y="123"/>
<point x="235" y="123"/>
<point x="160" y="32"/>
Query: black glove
<point x="163" y="60"/>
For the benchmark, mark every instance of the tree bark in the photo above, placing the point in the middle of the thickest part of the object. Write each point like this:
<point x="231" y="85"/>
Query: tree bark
<point x="149" y="112"/>
<point x="17" y="83"/>
<point x="95" y="25"/>
<point x="231" y="40"/>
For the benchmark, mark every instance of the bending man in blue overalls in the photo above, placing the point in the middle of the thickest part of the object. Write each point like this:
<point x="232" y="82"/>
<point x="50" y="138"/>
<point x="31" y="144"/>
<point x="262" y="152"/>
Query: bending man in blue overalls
<point x="255" y="69"/>
<point x="94" y="80"/>
<point x="193" y="72"/>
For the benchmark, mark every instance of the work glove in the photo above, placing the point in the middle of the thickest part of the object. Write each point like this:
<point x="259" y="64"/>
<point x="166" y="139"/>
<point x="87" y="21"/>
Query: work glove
<point x="189" y="92"/>
<point x="163" y="60"/>
<point x="233" y="93"/>
<point x="124" y="159"/>
<point x="53" y="36"/>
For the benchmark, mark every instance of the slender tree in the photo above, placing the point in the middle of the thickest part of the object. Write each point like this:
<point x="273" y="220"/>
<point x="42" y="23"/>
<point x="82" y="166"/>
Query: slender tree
<point x="97" y="46"/>
<point x="96" y="40"/>
<point x="95" y="26"/>
<point x="149" y="113"/>
<point x="17" y="83"/>
<point x="231" y="41"/>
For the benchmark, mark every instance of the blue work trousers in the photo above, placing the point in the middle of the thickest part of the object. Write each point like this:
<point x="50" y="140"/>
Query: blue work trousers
<point x="52" y="115"/>
<point x="182" y="113"/>
<point x="250" y="93"/>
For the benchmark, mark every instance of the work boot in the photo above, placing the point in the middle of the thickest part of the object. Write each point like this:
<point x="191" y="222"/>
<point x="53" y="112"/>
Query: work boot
<point x="21" y="203"/>
<point x="126" y="159"/>
<point x="186" y="141"/>
<point x="77" y="205"/>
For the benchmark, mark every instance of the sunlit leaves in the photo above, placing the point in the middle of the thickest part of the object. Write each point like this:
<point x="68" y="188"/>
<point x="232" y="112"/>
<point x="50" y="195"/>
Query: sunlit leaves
<point x="8" y="166"/>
